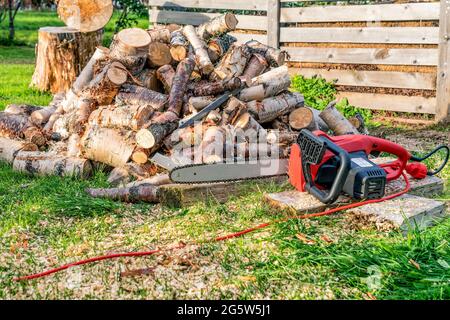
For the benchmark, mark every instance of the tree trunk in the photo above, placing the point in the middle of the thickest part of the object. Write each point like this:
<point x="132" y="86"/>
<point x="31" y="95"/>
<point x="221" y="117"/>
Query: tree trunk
<point x="85" y="15"/>
<point x="165" y="74"/>
<point x="10" y="148"/>
<point x="116" y="152"/>
<point x="137" y="95"/>
<point x="232" y="64"/>
<point x="141" y="193"/>
<point x="212" y="88"/>
<point x="159" y="54"/>
<point x="57" y="44"/>
<point x="179" y="85"/>
<point x="271" y="108"/>
<point x="217" y="26"/>
<point x="275" y="57"/>
<point x="160" y="127"/>
<point x="307" y="118"/>
<point x="129" y="117"/>
<point x="199" y="47"/>
<point x="45" y="163"/>
<point x="130" y="47"/>
<point x="336" y="121"/>
<point x="105" y="86"/>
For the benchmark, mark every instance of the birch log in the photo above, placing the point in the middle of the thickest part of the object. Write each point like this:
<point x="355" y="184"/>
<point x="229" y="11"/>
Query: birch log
<point x="10" y="148"/>
<point x="130" y="117"/>
<point x="336" y="121"/>
<point x="178" y="45"/>
<point x="137" y="95"/>
<point x="165" y="74"/>
<point x="232" y="64"/>
<point x="217" y="26"/>
<point x="179" y="85"/>
<point x="199" y="47"/>
<point x="307" y="118"/>
<point x="212" y="88"/>
<point x="141" y="193"/>
<point x="275" y="57"/>
<point x="271" y="108"/>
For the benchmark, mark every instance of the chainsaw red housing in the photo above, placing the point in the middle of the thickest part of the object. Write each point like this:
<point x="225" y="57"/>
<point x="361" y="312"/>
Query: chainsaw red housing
<point x="350" y="143"/>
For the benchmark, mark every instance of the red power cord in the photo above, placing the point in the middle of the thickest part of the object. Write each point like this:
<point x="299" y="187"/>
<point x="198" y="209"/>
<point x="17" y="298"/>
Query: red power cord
<point x="218" y="239"/>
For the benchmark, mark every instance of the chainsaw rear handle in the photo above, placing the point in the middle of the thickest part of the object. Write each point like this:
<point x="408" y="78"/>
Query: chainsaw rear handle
<point x="341" y="176"/>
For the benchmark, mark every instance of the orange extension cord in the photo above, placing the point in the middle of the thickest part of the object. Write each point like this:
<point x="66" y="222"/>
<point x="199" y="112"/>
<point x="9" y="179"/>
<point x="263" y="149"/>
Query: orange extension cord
<point x="218" y="239"/>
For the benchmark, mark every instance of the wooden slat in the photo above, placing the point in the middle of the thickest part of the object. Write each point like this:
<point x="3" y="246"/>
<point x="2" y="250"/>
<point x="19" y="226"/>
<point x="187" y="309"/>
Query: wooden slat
<point x="383" y="79"/>
<point x="419" y="57"/>
<point x="390" y="102"/>
<point x="443" y="87"/>
<point x="196" y="18"/>
<point x="215" y="4"/>
<point x="411" y="35"/>
<point x="380" y="12"/>
<point x="273" y="23"/>
<point x="244" y="37"/>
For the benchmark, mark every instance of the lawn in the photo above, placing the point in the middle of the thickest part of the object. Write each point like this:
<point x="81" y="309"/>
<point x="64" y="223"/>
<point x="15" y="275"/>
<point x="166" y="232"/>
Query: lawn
<point x="46" y="222"/>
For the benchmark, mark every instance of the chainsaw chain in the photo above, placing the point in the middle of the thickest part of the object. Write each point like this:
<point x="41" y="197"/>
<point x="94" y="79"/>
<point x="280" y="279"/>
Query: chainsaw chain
<point x="216" y="181"/>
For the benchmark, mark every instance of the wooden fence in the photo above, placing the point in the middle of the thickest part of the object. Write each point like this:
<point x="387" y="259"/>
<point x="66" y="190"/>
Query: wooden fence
<point x="384" y="56"/>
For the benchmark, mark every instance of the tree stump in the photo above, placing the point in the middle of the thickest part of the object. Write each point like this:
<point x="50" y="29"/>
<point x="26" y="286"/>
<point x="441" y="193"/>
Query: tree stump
<point x="61" y="55"/>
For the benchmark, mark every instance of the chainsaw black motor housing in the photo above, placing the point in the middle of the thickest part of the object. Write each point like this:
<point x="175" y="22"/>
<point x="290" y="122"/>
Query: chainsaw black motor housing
<point x="365" y="180"/>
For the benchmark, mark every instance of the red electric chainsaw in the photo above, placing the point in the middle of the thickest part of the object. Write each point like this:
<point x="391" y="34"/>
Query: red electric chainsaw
<point x="324" y="166"/>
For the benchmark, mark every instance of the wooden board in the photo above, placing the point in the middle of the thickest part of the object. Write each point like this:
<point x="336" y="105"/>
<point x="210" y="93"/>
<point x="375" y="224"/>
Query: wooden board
<point x="407" y="35"/>
<point x="260" y="5"/>
<point x="390" y="102"/>
<point x="182" y="195"/>
<point x="415" y="57"/>
<point x="294" y="202"/>
<point x="244" y="37"/>
<point x="383" y="79"/>
<point x="377" y="12"/>
<point x="195" y="18"/>
<point x="405" y="213"/>
<point x="443" y="85"/>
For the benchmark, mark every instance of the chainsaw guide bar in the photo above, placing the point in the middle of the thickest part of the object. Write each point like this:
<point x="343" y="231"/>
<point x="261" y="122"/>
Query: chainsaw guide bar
<point x="229" y="172"/>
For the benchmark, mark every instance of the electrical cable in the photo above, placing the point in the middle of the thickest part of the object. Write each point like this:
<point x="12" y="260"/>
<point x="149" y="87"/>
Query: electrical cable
<point x="447" y="156"/>
<point x="217" y="239"/>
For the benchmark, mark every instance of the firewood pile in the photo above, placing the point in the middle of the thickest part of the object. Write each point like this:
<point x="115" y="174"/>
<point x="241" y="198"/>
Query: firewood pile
<point x="128" y="101"/>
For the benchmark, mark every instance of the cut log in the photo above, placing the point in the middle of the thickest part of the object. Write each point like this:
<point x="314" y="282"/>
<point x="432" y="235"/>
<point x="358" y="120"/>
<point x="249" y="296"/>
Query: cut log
<point x="198" y="103"/>
<point x="358" y="122"/>
<point x="253" y="93"/>
<point x="21" y="109"/>
<point x="84" y="110"/>
<point x="45" y="163"/>
<point x="247" y="123"/>
<point x="217" y="47"/>
<point x="18" y="126"/>
<point x="147" y="78"/>
<point x="232" y="64"/>
<point x="57" y="44"/>
<point x="10" y="148"/>
<point x="116" y="152"/>
<point x="156" y="180"/>
<point x="123" y="175"/>
<point x="130" y="47"/>
<point x="199" y="47"/>
<point x="160" y="127"/>
<point x="85" y="15"/>
<point x="275" y="57"/>
<point x="270" y="76"/>
<point x="73" y="145"/>
<point x="280" y="125"/>
<point x="42" y="115"/>
<point x="141" y="193"/>
<point x="217" y="26"/>
<point x="212" y="88"/>
<point x="165" y="74"/>
<point x="140" y="155"/>
<point x="179" y="85"/>
<point x="160" y="35"/>
<point x="137" y="95"/>
<point x="213" y="118"/>
<point x="233" y="110"/>
<point x="255" y="66"/>
<point x="271" y="108"/>
<point x="178" y="45"/>
<point x="130" y="117"/>
<point x="307" y="118"/>
<point x="105" y="86"/>
<point x="48" y="128"/>
<point x="336" y="121"/>
<point x="119" y="176"/>
<point x="159" y="54"/>
<point x="282" y="137"/>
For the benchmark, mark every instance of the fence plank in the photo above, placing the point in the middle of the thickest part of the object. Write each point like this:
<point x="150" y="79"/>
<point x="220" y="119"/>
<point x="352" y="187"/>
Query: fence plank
<point x="390" y="102"/>
<point x="412" y="35"/>
<point x="380" y="12"/>
<point x="443" y="84"/>
<point x="196" y="18"/>
<point x="273" y="23"/>
<point x="417" y="57"/>
<point x="382" y="79"/>
<point x="260" y="5"/>
<point x="244" y="37"/>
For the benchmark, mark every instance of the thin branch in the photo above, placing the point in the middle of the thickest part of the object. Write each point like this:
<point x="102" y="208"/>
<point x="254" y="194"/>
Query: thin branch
<point x="19" y="4"/>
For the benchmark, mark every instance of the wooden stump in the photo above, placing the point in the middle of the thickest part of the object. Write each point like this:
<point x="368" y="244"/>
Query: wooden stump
<point x="57" y="44"/>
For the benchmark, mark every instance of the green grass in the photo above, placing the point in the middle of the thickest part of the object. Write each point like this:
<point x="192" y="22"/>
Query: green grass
<point x="48" y="221"/>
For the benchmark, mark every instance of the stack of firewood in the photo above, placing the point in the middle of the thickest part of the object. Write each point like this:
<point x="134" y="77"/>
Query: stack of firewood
<point x="128" y="101"/>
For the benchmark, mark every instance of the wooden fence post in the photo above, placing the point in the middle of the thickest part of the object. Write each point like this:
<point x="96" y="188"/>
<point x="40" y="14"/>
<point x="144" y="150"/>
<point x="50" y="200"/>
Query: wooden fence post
<point x="273" y="23"/>
<point x="443" y="74"/>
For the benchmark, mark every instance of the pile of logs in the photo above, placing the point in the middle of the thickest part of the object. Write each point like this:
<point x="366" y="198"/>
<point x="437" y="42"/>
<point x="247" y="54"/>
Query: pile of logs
<point x="126" y="105"/>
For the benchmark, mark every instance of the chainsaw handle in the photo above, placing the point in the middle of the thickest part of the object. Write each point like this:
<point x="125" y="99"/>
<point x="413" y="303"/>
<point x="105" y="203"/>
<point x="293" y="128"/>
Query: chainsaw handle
<point x="341" y="176"/>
